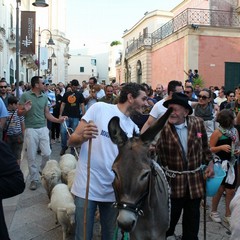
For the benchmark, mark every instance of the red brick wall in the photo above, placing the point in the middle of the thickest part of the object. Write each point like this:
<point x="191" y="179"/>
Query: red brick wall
<point x="167" y="63"/>
<point x="216" y="51"/>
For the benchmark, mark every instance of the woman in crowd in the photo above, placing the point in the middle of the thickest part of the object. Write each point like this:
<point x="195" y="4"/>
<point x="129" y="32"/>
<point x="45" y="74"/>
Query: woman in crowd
<point x="56" y="112"/>
<point x="224" y="142"/>
<point x="205" y="110"/>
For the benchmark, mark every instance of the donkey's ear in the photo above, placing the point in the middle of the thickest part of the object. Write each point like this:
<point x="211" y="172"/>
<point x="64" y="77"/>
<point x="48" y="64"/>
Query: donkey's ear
<point x="151" y="132"/>
<point x="117" y="135"/>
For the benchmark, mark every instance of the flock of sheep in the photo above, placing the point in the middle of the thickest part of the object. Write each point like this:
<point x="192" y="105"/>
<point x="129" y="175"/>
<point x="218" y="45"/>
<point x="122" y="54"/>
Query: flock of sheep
<point x="57" y="179"/>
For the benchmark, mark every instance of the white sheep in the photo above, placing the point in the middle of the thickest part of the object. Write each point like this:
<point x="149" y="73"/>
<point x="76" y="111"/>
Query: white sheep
<point x="62" y="204"/>
<point x="51" y="175"/>
<point x="70" y="178"/>
<point x="235" y="213"/>
<point x="67" y="163"/>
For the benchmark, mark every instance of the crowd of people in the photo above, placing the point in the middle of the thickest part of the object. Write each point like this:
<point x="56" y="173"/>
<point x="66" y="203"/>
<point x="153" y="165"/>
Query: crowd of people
<point x="204" y="123"/>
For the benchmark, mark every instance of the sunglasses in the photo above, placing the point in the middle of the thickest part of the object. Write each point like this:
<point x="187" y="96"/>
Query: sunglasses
<point x="187" y="92"/>
<point x="202" y="97"/>
<point x="231" y="96"/>
<point x="3" y="86"/>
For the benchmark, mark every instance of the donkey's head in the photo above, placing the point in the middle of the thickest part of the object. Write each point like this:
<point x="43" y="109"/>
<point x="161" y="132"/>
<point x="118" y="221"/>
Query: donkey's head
<point x="132" y="168"/>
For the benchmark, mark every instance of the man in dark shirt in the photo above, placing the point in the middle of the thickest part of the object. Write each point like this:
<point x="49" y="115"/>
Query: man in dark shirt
<point x="73" y="107"/>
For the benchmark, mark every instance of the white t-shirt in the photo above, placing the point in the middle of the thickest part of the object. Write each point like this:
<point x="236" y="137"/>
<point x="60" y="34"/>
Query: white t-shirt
<point x="103" y="154"/>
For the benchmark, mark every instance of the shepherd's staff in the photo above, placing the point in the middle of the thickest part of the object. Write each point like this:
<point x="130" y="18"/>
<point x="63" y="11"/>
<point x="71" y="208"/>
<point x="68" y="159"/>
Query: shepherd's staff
<point x="87" y="189"/>
<point x="205" y="212"/>
<point x="69" y="134"/>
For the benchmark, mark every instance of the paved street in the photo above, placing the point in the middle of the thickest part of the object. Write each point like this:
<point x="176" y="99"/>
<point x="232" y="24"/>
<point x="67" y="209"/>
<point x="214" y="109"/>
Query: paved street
<point x="28" y="217"/>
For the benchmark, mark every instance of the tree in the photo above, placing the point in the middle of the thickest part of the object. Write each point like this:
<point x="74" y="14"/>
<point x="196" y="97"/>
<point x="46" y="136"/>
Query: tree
<point x="115" y="43"/>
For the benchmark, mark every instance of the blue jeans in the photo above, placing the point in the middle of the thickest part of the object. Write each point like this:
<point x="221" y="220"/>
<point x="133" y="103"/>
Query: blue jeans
<point x="71" y="123"/>
<point x="108" y="216"/>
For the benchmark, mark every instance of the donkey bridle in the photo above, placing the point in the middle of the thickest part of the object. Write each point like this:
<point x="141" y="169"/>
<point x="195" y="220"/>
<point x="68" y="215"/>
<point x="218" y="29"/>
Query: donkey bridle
<point x="136" y="207"/>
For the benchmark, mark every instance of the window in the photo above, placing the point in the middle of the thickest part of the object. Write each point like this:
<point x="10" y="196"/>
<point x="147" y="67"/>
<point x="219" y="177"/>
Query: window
<point x="94" y="62"/>
<point x="81" y="69"/>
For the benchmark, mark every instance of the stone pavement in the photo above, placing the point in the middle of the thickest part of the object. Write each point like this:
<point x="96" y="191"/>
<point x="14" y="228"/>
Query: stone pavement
<point x="28" y="217"/>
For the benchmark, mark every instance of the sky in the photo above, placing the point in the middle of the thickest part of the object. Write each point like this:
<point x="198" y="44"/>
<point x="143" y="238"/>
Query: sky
<point x="99" y="22"/>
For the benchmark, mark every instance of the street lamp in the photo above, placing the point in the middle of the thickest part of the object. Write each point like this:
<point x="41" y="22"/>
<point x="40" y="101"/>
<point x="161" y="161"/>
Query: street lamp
<point x="40" y="3"/>
<point x="53" y="53"/>
<point x="50" y="42"/>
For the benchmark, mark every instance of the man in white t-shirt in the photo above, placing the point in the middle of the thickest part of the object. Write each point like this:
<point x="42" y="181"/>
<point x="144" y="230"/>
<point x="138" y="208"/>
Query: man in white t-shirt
<point x="94" y="125"/>
<point x="158" y="109"/>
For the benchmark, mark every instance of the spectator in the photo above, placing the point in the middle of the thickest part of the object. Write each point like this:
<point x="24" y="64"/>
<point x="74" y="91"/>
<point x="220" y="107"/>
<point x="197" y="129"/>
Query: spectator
<point x="33" y="105"/>
<point x="223" y="143"/>
<point x="85" y="90"/>
<point x="212" y="89"/>
<point x="189" y="92"/>
<point x="109" y="97"/>
<point x="132" y="98"/>
<point x="205" y="110"/>
<point x="56" y="112"/>
<point x="229" y="103"/>
<point x="15" y="128"/>
<point x="158" y="95"/>
<point x="72" y="106"/>
<point x="51" y="103"/>
<point x="216" y="90"/>
<point x="197" y="89"/>
<point x="3" y="117"/>
<point x="3" y="92"/>
<point x="221" y="97"/>
<point x="62" y="88"/>
<point x="195" y="74"/>
<point x="189" y="84"/>
<point x="21" y="89"/>
<point x="190" y="75"/>
<point x="148" y="89"/>
<point x="96" y="93"/>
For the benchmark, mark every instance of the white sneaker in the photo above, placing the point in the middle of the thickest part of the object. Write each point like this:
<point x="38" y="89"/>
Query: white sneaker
<point x="227" y="219"/>
<point x="215" y="217"/>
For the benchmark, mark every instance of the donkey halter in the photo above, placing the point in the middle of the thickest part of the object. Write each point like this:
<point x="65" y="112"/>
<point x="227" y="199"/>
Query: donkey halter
<point x="136" y="207"/>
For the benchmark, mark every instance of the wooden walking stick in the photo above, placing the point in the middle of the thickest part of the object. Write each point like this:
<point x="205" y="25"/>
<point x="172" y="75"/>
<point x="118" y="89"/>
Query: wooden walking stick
<point x="87" y="189"/>
<point x="205" y="209"/>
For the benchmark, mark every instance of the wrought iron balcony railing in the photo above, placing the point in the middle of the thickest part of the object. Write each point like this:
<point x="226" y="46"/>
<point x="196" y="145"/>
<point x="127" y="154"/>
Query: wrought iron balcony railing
<point x="142" y="41"/>
<point x="192" y="17"/>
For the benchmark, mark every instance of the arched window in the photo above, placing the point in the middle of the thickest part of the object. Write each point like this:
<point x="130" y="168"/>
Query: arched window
<point x="139" y="72"/>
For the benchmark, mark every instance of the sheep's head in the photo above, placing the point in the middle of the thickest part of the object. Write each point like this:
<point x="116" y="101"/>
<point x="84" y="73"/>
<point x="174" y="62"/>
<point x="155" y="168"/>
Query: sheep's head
<point x="71" y="214"/>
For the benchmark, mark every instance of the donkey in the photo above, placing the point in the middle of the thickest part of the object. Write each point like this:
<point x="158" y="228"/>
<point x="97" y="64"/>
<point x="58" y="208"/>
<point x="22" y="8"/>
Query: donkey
<point x="140" y="186"/>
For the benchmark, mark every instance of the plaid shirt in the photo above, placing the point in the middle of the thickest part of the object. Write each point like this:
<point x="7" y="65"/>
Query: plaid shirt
<point x="170" y="155"/>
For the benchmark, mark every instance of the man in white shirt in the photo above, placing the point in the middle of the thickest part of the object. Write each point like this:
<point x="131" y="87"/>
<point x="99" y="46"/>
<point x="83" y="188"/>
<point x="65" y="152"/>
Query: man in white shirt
<point x="94" y="125"/>
<point x="158" y="109"/>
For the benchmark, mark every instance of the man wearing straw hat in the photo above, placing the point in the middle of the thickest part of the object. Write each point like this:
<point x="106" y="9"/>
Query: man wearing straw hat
<point x="97" y="165"/>
<point x="182" y="149"/>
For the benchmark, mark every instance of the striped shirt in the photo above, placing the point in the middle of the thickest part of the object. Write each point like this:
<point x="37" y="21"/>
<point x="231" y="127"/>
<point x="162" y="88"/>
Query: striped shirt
<point x="51" y="99"/>
<point x="14" y="127"/>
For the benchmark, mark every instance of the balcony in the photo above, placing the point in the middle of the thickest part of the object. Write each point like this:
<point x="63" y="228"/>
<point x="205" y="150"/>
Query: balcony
<point x="143" y="42"/>
<point x="190" y="17"/>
